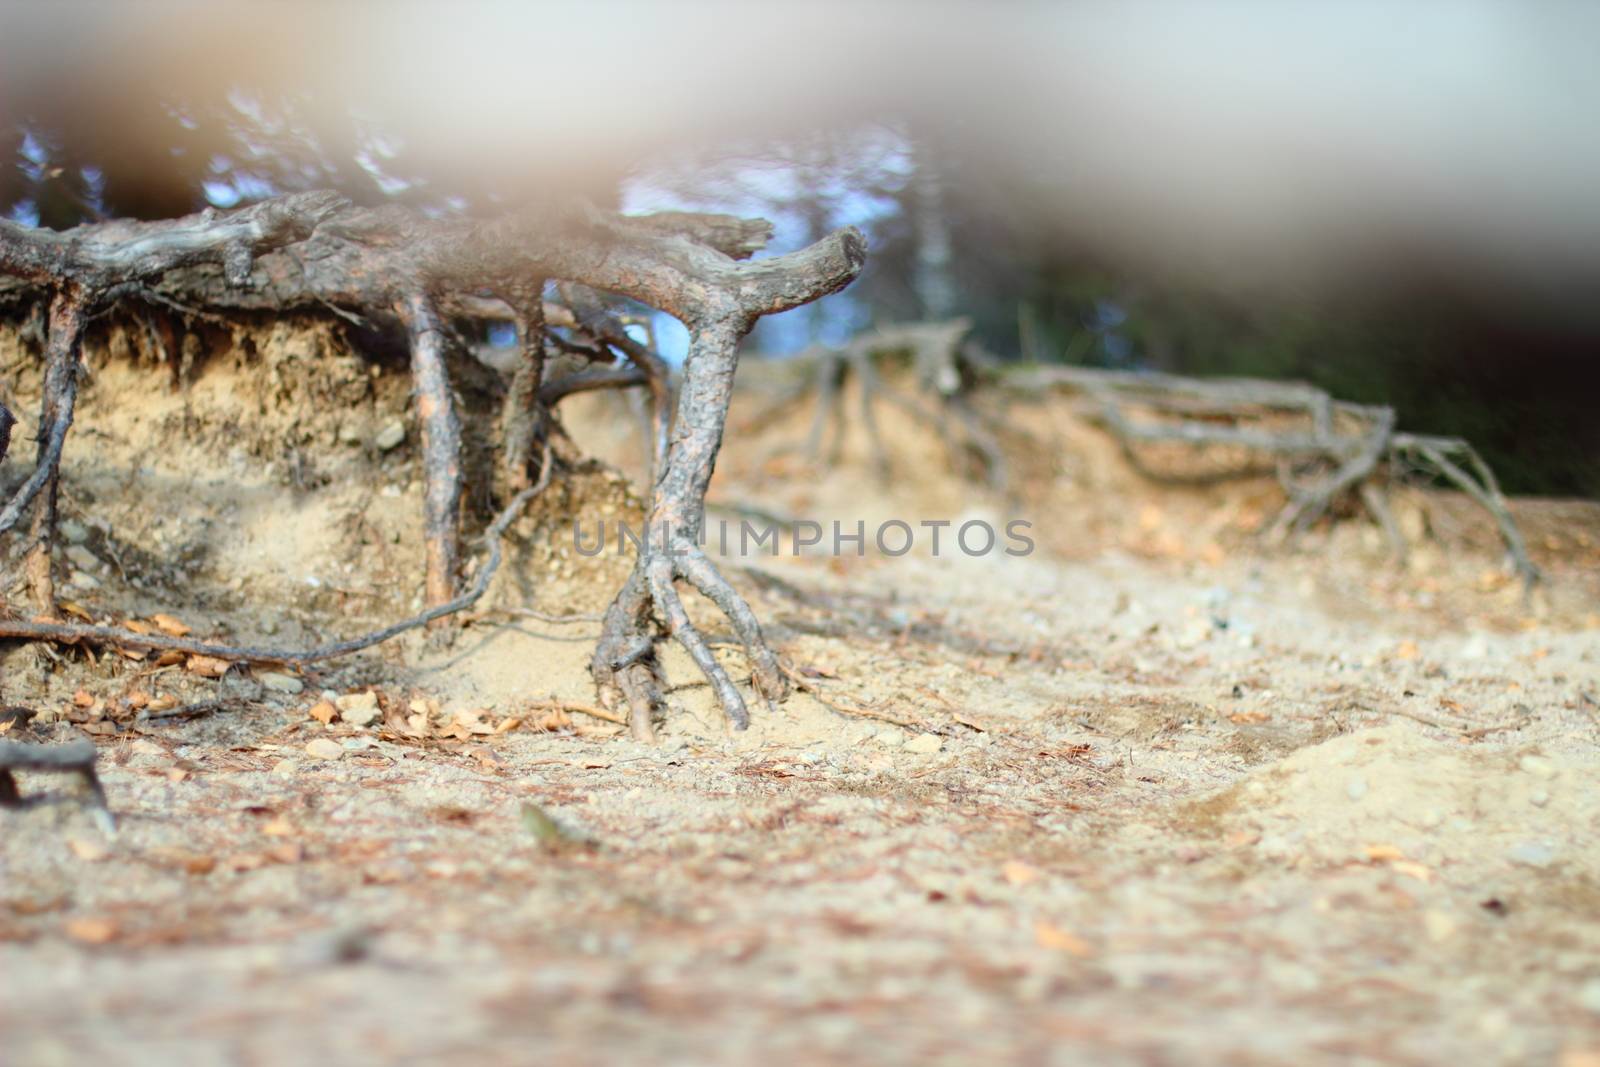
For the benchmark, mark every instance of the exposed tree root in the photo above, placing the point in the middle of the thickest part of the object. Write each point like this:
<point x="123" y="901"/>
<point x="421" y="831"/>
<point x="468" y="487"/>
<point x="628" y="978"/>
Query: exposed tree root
<point x="315" y="250"/>
<point x="943" y="365"/>
<point x="1325" y="449"/>
<point x="75" y="757"/>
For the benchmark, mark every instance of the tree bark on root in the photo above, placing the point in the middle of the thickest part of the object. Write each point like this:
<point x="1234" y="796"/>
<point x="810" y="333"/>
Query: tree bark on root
<point x="74" y="757"/>
<point x="623" y="663"/>
<point x="316" y="251"/>
<point x="1357" y="446"/>
<point x="945" y="369"/>
<point x="441" y="447"/>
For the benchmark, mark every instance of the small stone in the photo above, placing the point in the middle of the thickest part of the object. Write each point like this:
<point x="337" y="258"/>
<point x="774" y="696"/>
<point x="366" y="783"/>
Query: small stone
<point x="285" y="768"/>
<point x="81" y="557"/>
<point x="358" y="709"/>
<point x="1195" y="632"/>
<point x="349" y="434"/>
<point x="1589" y="995"/>
<point x="1538" y="798"/>
<point x="1538" y="766"/>
<point x="391" y="437"/>
<point x="925" y="744"/>
<point x="325" y="748"/>
<point x="75" y="533"/>
<point x="1532" y="854"/>
<point x="1355" y="788"/>
<point x="889" y="737"/>
<point x="1440" y="926"/>
<point x="281" y="683"/>
<point x="83" y="580"/>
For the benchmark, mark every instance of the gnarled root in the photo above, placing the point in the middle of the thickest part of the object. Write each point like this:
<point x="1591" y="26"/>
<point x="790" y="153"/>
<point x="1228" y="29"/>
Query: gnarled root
<point x="76" y="757"/>
<point x="624" y="664"/>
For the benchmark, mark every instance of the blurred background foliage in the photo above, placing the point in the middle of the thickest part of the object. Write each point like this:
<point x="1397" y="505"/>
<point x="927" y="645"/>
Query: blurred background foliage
<point x="1519" y="378"/>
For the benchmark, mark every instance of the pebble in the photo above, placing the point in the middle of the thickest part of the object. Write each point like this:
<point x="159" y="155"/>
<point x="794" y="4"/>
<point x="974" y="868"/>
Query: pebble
<point x="1195" y="632"/>
<point x="1538" y="798"/>
<point x="1532" y="854"/>
<point x="285" y="768"/>
<point x="1589" y="995"/>
<point x="81" y="557"/>
<point x="925" y="744"/>
<point x="358" y="709"/>
<point x="324" y="748"/>
<point x="1538" y="766"/>
<point x="1440" y="926"/>
<point x="75" y="533"/>
<point x="1355" y="788"/>
<point x="281" y="683"/>
<point x="82" y="580"/>
<point x="391" y="437"/>
<point x="889" y="737"/>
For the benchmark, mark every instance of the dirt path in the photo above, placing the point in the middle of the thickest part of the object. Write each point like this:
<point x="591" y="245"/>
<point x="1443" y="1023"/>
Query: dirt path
<point x="1180" y="808"/>
<point x="1182" y="844"/>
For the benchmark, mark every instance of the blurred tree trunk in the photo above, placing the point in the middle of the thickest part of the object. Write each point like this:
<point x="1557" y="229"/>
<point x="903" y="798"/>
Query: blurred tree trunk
<point x="931" y="279"/>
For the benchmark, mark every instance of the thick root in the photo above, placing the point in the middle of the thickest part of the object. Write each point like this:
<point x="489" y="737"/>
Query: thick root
<point x="649" y="607"/>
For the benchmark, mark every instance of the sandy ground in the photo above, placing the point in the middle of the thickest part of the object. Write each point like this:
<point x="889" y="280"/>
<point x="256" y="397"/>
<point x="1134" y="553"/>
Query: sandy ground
<point x="1151" y="794"/>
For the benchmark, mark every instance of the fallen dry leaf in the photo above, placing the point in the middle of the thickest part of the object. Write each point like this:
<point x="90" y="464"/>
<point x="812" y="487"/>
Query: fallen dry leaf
<point x="553" y="720"/>
<point x="171" y="625"/>
<point x="1411" y="869"/>
<point x="83" y="699"/>
<point x="323" y="711"/>
<point x="486" y="757"/>
<point x="139" y="627"/>
<point x="92" y="930"/>
<point x="88" y="851"/>
<point x="73" y="608"/>
<point x="207" y="666"/>
<point x="163" y="702"/>
<point x="1407" y="650"/>
<point x="190" y="862"/>
<point x="1381" y="853"/>
<point x="169" y="658"/>
<point x="291" y="852"/>
<point x="1244" y="717"/>
<point x="279" y="827"/>
<point x="1019" y="873"/>
<point x="1051" y="936"/>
